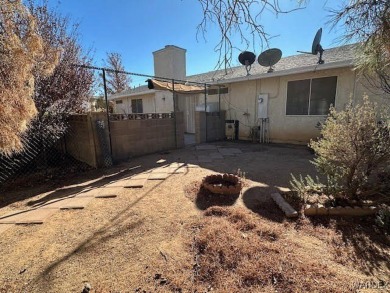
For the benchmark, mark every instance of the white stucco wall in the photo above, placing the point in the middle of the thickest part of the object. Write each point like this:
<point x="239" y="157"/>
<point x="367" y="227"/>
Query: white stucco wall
<point x="148" y="104"/>
<point x="241" y="104"/>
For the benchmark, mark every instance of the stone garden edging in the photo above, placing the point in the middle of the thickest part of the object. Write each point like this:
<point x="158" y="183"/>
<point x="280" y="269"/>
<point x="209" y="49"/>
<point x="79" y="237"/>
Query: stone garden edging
<point x="320" y="210"/>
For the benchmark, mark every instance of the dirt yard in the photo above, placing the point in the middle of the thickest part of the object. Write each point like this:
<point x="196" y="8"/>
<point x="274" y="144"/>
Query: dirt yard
<point x="158" y="238"/>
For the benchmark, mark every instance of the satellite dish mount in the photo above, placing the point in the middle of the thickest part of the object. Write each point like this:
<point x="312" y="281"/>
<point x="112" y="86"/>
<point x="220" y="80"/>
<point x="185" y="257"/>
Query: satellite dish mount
<point x="269" y="58"/>
<point x="316" y="47"/>
<point x="247" y="58"/>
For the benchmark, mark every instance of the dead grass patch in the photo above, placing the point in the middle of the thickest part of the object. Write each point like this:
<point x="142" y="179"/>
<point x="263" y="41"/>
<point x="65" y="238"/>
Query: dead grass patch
<point x="236" y="251"/>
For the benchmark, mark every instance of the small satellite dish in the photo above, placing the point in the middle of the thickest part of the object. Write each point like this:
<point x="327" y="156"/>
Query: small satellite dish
<point x="269" y="58"/>
<point x="316" y="47"/>
<point x="247" y="58"/>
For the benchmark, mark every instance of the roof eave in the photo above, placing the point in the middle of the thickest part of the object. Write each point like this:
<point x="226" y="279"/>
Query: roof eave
<point x="118" y="96"/>
<point x="298" y="70"/>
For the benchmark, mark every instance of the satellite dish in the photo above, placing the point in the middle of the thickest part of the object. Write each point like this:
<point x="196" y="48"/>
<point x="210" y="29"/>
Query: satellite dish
<point x="269" y="58"/>
<point x="247" y="58"/>
<point x="316" y="47"/>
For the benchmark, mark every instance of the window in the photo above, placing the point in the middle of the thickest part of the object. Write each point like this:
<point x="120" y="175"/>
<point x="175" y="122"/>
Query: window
<point x="311" y="96"/>
<point x="136" y="106"/>
<point x="223" y="90"/>
<point x="118" y="102"/>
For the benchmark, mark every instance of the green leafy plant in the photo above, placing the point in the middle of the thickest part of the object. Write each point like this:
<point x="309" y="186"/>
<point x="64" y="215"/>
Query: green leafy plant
<point x="354" y="146"/>
<point x="306" y="186"/>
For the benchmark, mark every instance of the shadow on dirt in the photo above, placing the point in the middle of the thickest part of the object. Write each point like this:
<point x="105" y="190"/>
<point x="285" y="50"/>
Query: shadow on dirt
<point x="257" y="199"/>
<point x="205" y="199"/>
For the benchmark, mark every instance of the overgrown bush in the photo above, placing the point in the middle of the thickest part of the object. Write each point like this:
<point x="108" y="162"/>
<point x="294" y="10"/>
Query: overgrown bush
<point x="354" y="148"/>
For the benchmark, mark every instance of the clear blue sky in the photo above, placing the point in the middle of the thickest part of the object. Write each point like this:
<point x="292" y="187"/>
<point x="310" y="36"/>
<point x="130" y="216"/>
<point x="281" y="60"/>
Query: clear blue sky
<point x="136" y="28"/>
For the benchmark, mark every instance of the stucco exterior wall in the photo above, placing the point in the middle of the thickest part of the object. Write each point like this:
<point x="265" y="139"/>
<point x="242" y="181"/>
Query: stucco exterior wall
<point x="241" y="104"/>
<point x="148" y="104"/>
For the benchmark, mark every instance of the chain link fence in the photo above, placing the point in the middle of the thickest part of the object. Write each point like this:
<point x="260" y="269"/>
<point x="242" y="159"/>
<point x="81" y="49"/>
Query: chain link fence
<point x="41" y="160"/>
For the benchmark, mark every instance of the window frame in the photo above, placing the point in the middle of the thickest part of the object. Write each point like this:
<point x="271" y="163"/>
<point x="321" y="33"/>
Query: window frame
<point x="142" y="106"/>
<point x="308" y="109"/>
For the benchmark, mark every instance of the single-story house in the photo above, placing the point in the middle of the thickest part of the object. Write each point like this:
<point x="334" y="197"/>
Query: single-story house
<point x="287" y="102"/>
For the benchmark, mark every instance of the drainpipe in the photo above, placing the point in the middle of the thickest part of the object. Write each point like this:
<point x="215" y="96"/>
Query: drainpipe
<point x="107" y="110"/>
<point x="174" y="110"/>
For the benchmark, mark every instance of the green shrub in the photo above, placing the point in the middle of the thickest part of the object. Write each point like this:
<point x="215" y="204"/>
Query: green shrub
<point x="305" y="186"/>
<point x="354" y="147"/>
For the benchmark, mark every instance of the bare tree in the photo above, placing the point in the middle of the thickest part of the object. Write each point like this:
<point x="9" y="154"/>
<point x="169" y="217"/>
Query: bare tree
<point x="68" y="89"/>
<point x="22" y="53"/>
<point x="117" y="81"/>
<point x="369" y="23"/>
<point x="241" y="17"/>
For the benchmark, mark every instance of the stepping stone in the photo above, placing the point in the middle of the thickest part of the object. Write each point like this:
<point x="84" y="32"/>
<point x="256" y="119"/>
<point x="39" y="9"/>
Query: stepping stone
<point x="158" y="176"/>
<point x="4" y="227"/>
<point x="36" y="216"/>
<point x="119" y="183"/>
<point x="204" y="159"/>
<point x="140" y="176"/>
<point x="12" y="217"/>
<point x="205" y="147"/>
<point x="159" y="170"/>
<point x="175" y="164"/>
<point x="174" y="170"/>
<point x="75" y="203"/>
<point x="192" y="166"/>
<point x="135" y="183"/>
<point x="106" y="196"/>
<point x="216" y="156"/>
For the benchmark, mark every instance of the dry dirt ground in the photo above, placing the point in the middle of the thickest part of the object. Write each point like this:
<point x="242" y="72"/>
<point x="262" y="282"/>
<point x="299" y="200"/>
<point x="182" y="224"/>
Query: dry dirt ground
<point x="142" y="240"/>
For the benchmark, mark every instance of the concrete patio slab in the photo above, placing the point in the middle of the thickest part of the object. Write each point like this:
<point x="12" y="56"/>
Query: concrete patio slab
<point x="204" y="159"/>
<point x="215" y="156"/>
<point x="205" y="147"/>
<point x="226" y="152"/>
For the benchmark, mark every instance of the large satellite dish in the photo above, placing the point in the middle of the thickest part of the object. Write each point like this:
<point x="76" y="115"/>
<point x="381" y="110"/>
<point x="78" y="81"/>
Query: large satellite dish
<point x="316" y="47"/>
<point x="269" y="58"/>
<point x="247" y="58"/>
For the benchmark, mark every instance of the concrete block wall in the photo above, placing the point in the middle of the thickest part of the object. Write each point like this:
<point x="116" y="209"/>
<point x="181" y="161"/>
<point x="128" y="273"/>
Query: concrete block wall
<point x="139" y="137"/>
<point x="215" y="126"/>
<point x="129" y="137"/>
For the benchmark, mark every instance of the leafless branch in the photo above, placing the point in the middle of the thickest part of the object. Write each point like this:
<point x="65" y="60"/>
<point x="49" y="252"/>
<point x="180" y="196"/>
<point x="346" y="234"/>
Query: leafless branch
<point x="237" y="18"/>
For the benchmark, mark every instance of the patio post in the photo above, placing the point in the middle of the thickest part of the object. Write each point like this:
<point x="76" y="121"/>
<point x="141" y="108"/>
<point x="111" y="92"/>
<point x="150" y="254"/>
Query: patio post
<point x="174" y="110"/>
<point x="107" y="110"/>
<point x="205" y="107"/>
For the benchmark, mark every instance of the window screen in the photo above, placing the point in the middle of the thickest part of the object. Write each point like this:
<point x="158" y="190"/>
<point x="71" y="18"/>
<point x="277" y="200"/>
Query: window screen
<point x="223" y="90"/>
<point x="323" y="93"/>
<point x="311" y="96"/>
<point x="136" y="106"/>
<point x="298" y="93"/>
